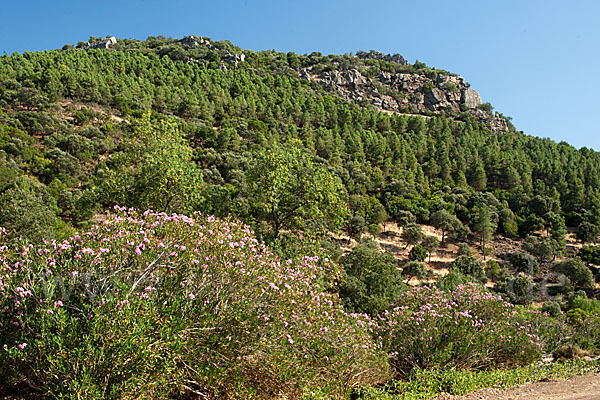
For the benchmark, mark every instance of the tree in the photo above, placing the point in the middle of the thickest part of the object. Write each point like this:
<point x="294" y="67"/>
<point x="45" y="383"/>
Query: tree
<point x="543" y="249"/>
<point x="524" y="262"/>
<point x="290" y="191"/>
<point x="372" y="279"/>
<point x="446" y="222"/>
<point x="452" y="280"/>
<point x="412" y="234"/>
<point x="576" y="271"/>
<point x="588" y="232"/>
<point x="507" y="223"/>
<point x="485" y="223"/>
<point x="414" y="269"/>
<point x="469" y="265"/>
<point x="356" y="226"/>
<point x="28" y="211"/>
<point x="155" y="171"/>
<point x="404" y="218"/>
<point x="478" y="178"/>
<point x="430" y="244"/>
<point x="417" y="253"/>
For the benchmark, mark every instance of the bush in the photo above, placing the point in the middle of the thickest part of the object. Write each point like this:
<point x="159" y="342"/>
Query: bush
<point x="372" y="280"/>
<point x="552" y="308"/>
<point x="524" y="262"/>
<point x="453" y="280"/>
<point x="492" y="269"/>
<point x="415" y="269"/>
<point x="417" y="253"/>
<point x="466" y="328"/>
<point x="464" y="249"/>
<point x="576" y="271"/>
<point x="159" y="305"/>
<point x="469" y="265"/>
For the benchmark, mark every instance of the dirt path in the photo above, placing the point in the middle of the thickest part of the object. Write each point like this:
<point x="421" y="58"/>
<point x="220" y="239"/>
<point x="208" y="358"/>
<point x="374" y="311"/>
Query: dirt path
<point x="585" y="387"/>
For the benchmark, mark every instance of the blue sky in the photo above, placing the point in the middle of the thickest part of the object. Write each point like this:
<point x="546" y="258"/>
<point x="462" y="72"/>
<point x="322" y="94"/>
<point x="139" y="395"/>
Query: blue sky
<point x="534" y="60"/>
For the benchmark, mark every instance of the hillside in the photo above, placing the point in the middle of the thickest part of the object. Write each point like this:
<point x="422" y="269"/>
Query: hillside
<point x="317" y="154"/>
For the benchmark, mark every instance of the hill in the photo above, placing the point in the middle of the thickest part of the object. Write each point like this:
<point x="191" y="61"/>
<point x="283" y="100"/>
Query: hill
<point x="317" y="154"/>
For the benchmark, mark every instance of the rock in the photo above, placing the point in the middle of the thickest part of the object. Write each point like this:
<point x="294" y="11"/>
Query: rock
<point x="354" y="77"/>
<point x="305" y="75"/>
<point x="102" y="44"/>
<point x="233" y="58"/>
<point x="402" y="92"/>
<point x="433" y="97"/>
<point x="470" y="98"/>
<point x="376" y="55"/>
<point x="190" y="41"/>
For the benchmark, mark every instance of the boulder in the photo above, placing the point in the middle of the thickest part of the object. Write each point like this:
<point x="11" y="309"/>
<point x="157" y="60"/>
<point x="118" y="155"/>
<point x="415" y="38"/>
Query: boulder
<point x="354" y="77"/>
<point x="103" y="44"/>
<point x="470" y="98"/>
<point x="433" y="97"/>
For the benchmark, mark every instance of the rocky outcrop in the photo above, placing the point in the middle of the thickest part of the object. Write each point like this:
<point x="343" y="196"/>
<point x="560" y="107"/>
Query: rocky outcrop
<point x="226" y="58"/>
<point x="102" y="44"/>
<point x="376" y="55"/>
<point x="406" y="92"/>
<point x="194" y="41"/>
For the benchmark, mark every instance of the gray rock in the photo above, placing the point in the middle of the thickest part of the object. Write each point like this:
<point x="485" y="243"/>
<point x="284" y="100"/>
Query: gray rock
<point x="470" y="98"/>
<point x="434" y="97"/>
<point x="305" y="75"/>
<point x="354" y="77"/>
<point x="376" y="55"/>
<point x="103" y="44"/>
<point x="190" y="41"/>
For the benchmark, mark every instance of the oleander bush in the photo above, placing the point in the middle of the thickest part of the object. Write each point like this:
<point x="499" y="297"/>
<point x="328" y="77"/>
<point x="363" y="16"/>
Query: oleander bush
<point x="468" y="328"/>
<point x="150" y="305"/>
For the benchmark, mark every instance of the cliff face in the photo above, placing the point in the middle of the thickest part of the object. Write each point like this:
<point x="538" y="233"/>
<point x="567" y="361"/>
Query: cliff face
<point x="414" y="93"/>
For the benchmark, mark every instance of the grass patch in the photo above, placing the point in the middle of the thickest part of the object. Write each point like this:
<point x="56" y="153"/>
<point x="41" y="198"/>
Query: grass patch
<point x="430" y="383"/>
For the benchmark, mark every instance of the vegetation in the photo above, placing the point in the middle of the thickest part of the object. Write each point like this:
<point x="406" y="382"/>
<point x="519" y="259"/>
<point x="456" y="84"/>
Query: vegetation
<point x="187" y="301"/>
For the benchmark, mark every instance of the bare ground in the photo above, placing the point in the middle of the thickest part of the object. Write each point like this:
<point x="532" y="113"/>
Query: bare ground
<point x="585" y="387"/>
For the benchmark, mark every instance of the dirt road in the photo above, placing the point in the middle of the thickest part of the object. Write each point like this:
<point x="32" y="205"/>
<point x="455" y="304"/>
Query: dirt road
<point x="577" y="388"/>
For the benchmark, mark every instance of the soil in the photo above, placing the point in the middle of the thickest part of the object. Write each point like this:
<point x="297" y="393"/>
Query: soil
<point x="585" y="387"/>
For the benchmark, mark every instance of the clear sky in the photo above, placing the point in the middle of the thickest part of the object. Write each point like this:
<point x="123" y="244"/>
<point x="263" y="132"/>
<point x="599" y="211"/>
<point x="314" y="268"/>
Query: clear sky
<point x="534" y="60"/>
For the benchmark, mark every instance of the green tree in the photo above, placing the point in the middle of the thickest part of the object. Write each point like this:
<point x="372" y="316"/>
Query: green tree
<point x="446" y="222"/>
<point x="471" y="266"/>
<point x="478" y="177"/>
<point x="524" y="262"/>
<point x="415" y="269"/>
<point x="588" y="232"/>
<point x="544" y="249"/>
<point x="485" y="222"/>
<point x="576" y="271"/>
<point x="372" y="279"/>
<point x="417" y="253"/>
<point x="28" y="211"/>
<point x="430" y="244"/>
<point x="155" y="170"/>
<point x="290" y="191"/>
<point x="412" y="234"/>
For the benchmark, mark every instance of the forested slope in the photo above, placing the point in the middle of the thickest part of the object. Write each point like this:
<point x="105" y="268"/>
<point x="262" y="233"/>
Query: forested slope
<point x="311" y="152"/>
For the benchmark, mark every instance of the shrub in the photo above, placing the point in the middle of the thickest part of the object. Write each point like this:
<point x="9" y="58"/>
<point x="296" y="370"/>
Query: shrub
<point x="492" y="269"/>
<point x="552" y="308"/>
<point x="469" y="265"/>
<point x="524" y="262"/>
<point x="415" y="269"/>
<point x="417" y="253"/>
<point x="466" y="328"/>
<point x="464" y="249"/>
<point x="453" y="280"/>
<point x="372" y="280"/>
<point x="576" y="271"/>
<point x="155" y="305"/>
